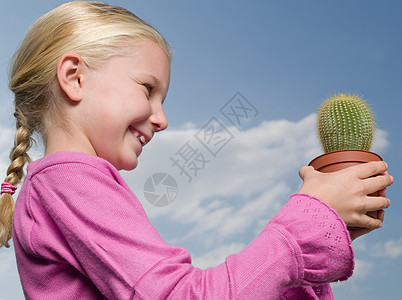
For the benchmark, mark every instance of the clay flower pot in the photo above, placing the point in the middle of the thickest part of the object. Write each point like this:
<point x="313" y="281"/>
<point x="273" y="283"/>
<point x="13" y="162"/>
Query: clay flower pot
<point x="338" y="160"/>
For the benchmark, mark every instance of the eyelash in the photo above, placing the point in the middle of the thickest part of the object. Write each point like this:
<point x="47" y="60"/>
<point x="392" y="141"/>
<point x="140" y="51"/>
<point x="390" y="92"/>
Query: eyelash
<point x="149" y="88"/>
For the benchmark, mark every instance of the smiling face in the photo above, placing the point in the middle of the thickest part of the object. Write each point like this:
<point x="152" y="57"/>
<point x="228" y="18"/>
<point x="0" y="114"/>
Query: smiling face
<point x="124" y="104"/>
<point x="119" y="107"/>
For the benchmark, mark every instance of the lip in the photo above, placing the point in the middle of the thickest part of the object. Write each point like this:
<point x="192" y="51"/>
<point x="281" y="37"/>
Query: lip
<point x="141" y="137"/>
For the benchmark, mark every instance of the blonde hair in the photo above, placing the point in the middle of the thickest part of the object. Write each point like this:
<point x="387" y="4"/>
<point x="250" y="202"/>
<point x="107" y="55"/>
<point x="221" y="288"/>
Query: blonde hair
<point x="96" y="31"/>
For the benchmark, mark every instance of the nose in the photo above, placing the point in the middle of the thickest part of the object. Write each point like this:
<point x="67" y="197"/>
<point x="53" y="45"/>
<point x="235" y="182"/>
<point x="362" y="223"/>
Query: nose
<point x="158" y="118"/>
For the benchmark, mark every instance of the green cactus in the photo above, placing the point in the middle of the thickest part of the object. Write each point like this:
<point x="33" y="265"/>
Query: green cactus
<point x="345" y="122"/>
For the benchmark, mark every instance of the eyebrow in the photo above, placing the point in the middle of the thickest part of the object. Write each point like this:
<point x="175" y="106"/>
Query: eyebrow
<point x="152" y="77"/>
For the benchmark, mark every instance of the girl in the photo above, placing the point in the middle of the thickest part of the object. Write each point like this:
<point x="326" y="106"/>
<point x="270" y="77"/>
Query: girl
<point x="91" y="79"/>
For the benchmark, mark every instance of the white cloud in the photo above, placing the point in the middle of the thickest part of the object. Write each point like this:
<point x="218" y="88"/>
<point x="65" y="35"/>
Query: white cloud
<point x="354" y="287"/>
<point x="388" y="249"/>
<point x="250" y="170"/>
<point x="10" y="283"/>
<point x="217" y="256"/>
<point x="391" y="249"/>
<point x="7" y="261"/>
<point x="380" y="142"/>
<point x="6" y="142"/>
<point x="362" y="269"/>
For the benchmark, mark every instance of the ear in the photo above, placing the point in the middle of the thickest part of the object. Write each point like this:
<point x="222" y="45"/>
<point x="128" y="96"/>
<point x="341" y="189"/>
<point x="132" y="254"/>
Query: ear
<point x="70" y="71"/>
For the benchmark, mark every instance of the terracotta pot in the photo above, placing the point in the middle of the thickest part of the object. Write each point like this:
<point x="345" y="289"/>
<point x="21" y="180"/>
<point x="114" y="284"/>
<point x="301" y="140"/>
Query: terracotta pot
<point x="338" y="160"/>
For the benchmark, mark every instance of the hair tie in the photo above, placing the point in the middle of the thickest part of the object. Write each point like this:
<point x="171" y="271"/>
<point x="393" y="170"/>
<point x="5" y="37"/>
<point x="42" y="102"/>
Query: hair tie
<point x="7" y="187"/>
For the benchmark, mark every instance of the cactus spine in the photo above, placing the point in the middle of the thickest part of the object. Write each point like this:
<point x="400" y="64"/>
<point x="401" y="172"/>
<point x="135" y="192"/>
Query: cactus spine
<point x="345" y="122"/>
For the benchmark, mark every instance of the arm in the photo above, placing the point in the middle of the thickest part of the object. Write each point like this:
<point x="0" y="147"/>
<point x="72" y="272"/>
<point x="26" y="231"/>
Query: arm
<point x="114" y="244"/>
<point x="306" y="244"/>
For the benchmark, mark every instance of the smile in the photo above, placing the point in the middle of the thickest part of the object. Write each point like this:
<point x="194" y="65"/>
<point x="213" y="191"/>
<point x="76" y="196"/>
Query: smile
<point x="139" y="136"/>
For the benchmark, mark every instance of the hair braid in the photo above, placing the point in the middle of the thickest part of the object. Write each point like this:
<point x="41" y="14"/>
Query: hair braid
<point x="15" y="172"/>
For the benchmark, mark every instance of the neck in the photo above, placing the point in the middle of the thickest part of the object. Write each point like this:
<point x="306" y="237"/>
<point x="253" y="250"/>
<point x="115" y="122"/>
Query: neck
<point x="63" y="139"/>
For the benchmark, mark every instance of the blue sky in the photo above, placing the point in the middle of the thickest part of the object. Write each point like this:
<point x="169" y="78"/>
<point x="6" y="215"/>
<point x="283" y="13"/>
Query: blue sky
<point x="284" y="57"/>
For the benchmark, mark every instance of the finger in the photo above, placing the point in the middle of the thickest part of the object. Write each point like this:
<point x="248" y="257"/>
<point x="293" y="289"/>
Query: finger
<point x="382" y="193"/>
<point x="376" y="203"/>
<point x="369" y="169"/>
<point x="356" y="232"/>
<point x="377" y="183"/>
<point x="369" y="223"/>
<point x="305" y="172"/>
<point x="381" y="215"/>
<point x="373" y="214"/>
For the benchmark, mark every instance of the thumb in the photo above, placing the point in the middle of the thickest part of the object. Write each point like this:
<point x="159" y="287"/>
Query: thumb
<point x="305" y="172"/>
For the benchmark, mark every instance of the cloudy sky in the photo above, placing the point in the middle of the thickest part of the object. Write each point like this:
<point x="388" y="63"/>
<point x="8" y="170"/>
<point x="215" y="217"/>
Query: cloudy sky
<point x="247" y="79"/>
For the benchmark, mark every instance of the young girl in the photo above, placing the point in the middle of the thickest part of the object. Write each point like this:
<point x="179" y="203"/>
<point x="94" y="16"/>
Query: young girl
<point x="91" y="79"/>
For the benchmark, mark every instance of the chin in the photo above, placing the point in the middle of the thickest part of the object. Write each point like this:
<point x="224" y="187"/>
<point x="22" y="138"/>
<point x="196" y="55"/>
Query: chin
<point x="128" y="165"/>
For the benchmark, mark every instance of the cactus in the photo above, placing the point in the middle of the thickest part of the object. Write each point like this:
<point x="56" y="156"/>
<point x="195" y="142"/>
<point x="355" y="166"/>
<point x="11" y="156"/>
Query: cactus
<point x="345" y="122"/>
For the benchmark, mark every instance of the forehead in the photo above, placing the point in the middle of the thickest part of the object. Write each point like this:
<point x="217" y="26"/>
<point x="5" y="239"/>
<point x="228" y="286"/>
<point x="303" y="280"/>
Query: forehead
<point x="143" y="58"/>
<point x="148" y="53"/>
<point x="138" y="48"/>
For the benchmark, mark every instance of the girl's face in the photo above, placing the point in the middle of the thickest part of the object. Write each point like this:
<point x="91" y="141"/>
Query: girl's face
<point x="123" y="104"/>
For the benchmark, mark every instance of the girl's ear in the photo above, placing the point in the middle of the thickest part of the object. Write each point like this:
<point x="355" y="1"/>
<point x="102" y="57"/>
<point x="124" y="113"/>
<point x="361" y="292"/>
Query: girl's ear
<point x="70" y="68"/>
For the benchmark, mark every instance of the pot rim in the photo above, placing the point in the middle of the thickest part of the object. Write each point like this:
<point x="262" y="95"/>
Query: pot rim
<point x="352" y="155"/>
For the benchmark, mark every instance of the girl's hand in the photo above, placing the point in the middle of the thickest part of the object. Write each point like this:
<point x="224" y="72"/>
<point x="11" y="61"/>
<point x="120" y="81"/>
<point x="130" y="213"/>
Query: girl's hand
<point x="348" y="192"/>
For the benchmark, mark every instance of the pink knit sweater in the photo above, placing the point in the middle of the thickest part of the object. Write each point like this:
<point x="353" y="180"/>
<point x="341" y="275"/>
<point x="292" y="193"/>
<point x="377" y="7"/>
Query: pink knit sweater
<point x="80" y="233"/>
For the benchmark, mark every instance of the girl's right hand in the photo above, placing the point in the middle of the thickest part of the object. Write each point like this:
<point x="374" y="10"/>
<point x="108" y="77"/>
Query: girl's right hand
<point x="348" y="192"/>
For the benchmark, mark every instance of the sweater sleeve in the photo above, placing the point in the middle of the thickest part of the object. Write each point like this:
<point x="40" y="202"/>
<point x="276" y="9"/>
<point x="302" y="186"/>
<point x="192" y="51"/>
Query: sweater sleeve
<point x="320" y="292"/>
<point x="110" y="240"/>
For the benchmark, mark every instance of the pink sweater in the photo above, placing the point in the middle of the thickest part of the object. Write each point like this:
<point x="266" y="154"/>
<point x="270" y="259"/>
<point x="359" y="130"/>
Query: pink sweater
<point x="80" y="233"/>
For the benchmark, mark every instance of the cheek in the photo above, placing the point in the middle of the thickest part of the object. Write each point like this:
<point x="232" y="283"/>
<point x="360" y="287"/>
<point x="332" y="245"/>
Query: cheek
<point x="144" y="108"/>
<point x="138" y="106"/>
